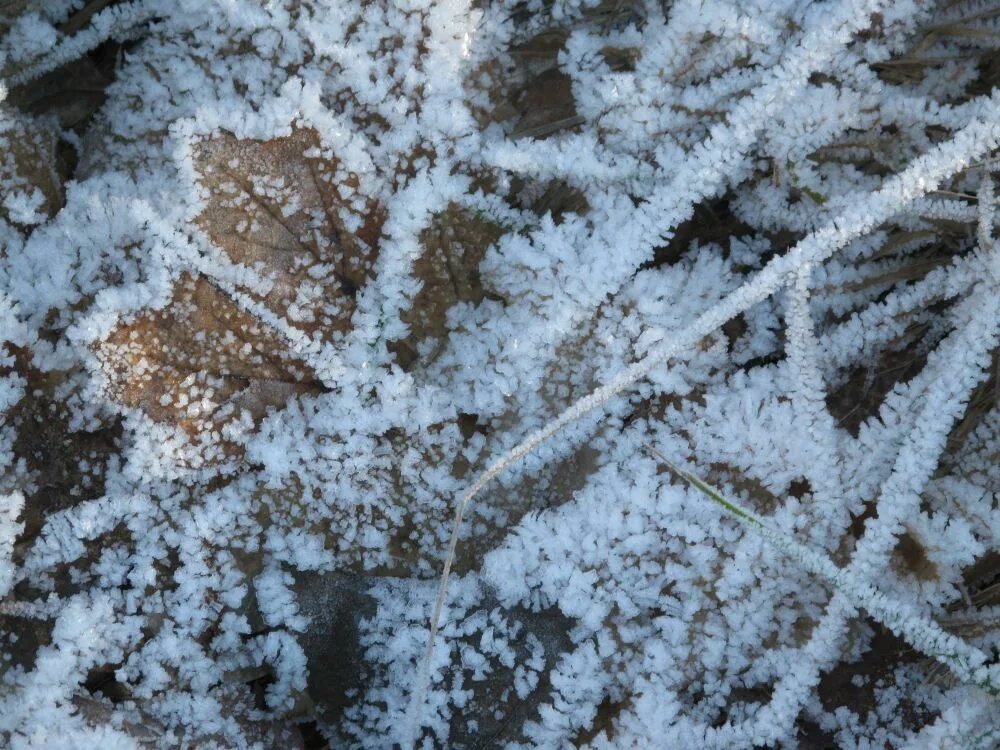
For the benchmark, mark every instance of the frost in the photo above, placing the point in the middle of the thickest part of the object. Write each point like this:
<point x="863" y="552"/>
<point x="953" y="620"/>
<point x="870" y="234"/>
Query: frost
<point x="335" y="338"/>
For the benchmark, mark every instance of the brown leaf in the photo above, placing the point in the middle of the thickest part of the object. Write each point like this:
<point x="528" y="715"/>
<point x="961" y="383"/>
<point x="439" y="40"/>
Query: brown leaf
<point x="283" y="206"/>
<point x="200" y="361"/>
<point x="49" y="448"/>
<point x="546" y="105"/>
<point x="453" y="248"/>
<point x="71" y="93"/>
<point x="28" y="162"/>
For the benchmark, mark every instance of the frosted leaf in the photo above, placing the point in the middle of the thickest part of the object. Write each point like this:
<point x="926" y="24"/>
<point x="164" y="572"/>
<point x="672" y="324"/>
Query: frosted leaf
<point x="448" y="271"/>
<point x="200" y="362"/>
<point x="30" y="181"/>
<point x="285" y="208"/>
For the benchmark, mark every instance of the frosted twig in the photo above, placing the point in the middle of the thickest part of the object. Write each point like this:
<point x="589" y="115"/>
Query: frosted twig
<point x="29" y="610"/>
<point x="984" y="228"/>
<point x="809" y="400"/>
<point x="940" y="407"/>
<point x="110" y="22"/>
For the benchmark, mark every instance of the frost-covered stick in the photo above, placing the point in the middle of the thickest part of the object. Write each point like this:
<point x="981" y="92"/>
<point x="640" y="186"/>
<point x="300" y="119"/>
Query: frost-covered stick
<point x="954" y="373"/>
<point x="925" y="635"/>
<point x="11" y="507"/>
<point x="877" y="323"/>
<point x="108" y="23"/>
<point x="809" y="400"/>
<point x="938" y="208"/>
<point x="29" y="610"/>
<point x="861" y="216"/>
<point x="984" y="229"/>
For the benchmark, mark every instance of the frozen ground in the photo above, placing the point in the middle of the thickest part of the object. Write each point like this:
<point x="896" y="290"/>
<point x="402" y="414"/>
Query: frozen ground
<point x="688" y="310"/>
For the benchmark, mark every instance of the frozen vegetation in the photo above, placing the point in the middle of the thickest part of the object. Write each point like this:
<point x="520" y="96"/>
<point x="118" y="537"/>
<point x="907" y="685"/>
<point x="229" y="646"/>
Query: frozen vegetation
<point x="495" y="374"/>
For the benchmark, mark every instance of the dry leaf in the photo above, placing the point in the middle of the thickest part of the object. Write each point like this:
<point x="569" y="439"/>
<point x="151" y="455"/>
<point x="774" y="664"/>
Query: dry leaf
<point x="30" y="183"/>
<point x="200" y="361"/>
<point x="448" y="269"/>
<point x="546" y="105"/>
<point x="284" y="208"/>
